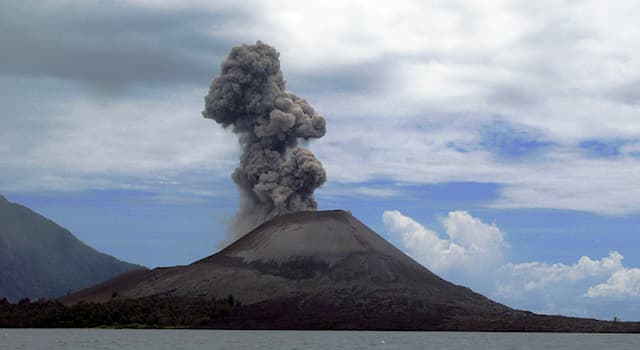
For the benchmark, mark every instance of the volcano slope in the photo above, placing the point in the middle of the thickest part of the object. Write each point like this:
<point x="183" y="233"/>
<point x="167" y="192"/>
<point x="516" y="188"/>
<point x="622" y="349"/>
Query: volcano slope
<point x="327" y="270"/>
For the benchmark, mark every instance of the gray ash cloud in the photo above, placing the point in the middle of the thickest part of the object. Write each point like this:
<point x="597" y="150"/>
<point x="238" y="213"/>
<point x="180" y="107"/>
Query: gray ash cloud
<point x="275" y="176"/>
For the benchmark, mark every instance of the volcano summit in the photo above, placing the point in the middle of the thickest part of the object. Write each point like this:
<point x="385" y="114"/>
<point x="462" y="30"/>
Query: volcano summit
<point x="327" y="270"/>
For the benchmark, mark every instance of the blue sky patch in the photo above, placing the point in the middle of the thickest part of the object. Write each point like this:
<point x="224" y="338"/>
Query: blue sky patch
<point x="602" y="148"/>
<point x="511" y="141"/>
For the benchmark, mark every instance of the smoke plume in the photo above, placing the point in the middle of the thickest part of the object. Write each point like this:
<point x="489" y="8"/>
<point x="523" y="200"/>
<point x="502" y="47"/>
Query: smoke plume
<point x="275" y="176"/>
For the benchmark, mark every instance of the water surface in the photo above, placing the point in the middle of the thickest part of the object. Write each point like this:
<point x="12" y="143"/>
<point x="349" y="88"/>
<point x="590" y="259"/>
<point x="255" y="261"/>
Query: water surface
<point x="108" y="339"/>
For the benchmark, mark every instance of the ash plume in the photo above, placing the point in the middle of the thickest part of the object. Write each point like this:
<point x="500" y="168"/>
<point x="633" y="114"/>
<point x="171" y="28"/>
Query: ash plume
<point x="275" y="176"/>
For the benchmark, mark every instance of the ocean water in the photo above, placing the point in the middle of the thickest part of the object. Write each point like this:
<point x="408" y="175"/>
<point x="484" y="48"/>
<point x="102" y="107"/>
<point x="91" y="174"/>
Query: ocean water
<point x="107" y="339"/>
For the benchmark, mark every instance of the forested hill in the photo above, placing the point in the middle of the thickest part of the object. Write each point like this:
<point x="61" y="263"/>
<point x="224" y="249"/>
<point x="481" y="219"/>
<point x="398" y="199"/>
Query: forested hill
<point x="40" y="259"/>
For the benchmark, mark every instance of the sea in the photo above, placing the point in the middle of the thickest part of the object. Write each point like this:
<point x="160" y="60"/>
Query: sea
<point x="108" y="339"/>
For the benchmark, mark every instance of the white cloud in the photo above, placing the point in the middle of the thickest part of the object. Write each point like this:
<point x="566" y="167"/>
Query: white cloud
<point x="93" y="143"/>
<point x="566" y="60"/>
<point x="624" y="283"/>
<point x="473" y="254"/>
<point x="552" y="71"/>
<point x="469" y="245"/>
<point x="375" y="192"/>
<point x="421" y="152"/>
<point x="420" y="76"/>
<point x="524" y="277"/>
<point x="448" y="56"/>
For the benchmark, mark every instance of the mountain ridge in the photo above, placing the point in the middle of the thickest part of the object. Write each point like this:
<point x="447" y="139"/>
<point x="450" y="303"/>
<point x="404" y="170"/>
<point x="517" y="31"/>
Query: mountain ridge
<point x="41" y="259"/>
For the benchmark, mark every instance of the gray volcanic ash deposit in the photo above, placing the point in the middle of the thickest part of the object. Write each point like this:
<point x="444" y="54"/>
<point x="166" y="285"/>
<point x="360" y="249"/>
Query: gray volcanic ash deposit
<point x="275" y="176"/>
<point x="291" y="255"/>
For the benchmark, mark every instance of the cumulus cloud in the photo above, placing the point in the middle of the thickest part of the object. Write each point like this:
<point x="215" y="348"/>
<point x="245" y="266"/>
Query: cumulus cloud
<point x="473" y="253"/>
<point x="469" y="244"/>
<point x="524" y="277"/>
<point x="624" y="283"/>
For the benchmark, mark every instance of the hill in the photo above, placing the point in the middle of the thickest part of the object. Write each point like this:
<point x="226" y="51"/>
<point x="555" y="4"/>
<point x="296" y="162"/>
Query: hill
<point x="39" y="259"/>
<point x="327" y="270"/>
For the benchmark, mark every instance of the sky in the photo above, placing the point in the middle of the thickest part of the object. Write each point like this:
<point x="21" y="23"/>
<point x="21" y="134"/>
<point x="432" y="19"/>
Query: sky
<point x="496" y="142"/>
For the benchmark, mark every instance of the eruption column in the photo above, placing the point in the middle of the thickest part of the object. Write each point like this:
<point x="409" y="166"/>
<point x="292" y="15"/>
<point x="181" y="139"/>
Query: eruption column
<point x="275" y="176"/>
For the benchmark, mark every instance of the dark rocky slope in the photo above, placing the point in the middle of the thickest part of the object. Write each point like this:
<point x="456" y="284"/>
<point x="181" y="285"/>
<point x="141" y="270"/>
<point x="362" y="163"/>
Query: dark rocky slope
<point x="39" y="259"/>
<point x="327" y="270"/>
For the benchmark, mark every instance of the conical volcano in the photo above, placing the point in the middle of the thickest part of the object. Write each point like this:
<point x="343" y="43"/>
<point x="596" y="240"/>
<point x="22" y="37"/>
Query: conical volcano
<point x="324" y="270"/>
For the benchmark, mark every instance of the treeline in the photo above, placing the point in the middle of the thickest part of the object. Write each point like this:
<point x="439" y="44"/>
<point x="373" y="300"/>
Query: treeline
<point x="149" y="312"/>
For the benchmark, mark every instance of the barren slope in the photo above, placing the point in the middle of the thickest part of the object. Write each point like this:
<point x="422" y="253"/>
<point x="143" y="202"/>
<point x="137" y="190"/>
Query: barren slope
<point x="327" y="270"/>
<point x="296" y="254"/>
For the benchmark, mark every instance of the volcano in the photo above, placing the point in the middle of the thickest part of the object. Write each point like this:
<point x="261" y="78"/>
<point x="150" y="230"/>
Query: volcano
<point x="327" y="270"/>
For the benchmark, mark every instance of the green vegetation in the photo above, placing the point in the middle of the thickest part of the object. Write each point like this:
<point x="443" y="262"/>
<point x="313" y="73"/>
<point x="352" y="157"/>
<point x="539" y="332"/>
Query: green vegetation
<point x="150" y="312"/>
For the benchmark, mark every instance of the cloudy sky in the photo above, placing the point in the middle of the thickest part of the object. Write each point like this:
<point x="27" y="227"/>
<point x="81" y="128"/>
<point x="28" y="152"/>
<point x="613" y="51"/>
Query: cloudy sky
<point x="496" y="142"/>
